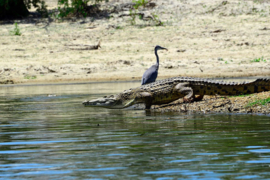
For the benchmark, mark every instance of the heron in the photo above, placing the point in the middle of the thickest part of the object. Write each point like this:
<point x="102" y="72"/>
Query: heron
<point x="150" y="75"/>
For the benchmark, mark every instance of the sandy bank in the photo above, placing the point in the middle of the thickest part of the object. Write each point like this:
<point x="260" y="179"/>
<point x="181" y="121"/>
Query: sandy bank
<point x="204" y="38"/>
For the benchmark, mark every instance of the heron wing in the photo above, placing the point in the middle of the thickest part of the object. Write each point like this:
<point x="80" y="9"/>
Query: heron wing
<point x="150" y="75"/>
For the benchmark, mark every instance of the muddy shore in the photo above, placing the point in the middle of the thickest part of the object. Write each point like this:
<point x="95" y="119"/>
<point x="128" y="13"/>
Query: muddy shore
<point x="248" y="104"/>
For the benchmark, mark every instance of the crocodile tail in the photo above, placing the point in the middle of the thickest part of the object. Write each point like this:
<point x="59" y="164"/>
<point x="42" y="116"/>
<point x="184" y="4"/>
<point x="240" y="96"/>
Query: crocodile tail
<point x="232" y="88"/>
<point x="259" y="85"/>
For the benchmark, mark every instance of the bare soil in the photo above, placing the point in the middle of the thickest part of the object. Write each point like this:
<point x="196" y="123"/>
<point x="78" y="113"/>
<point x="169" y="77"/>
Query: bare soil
<point x="205" y="39"/>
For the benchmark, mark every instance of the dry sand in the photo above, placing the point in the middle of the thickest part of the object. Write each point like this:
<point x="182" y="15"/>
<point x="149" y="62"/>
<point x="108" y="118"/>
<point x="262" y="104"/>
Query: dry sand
<point x="205" y="38"/>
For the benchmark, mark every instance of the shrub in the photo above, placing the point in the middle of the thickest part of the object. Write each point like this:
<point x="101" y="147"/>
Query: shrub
<point x="19" y="8"/>
<point x="77" y="8"/>
<point x="134" y="12"/>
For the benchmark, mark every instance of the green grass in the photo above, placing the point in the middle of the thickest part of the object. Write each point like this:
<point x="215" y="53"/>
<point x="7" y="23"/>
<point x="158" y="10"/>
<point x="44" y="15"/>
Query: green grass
<point x="133" y="13"/>
<point x="16" y="30"/>
<point x="243" y="95"/>
<point x="258" y="60"/>
<point x="30" y="77"/>
<point x="118" y="27"/>
<point x="220" y="59"/>
<point x="259" y="102"/>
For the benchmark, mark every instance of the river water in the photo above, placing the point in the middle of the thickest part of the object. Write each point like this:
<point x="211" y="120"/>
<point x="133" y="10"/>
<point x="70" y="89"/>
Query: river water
<point x="46" y="133"/>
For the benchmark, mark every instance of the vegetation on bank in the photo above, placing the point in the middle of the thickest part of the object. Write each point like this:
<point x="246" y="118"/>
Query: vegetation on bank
<point x="258" y="101"/>
<point x="16" y="30"/>
<point x="78" y="8"/>
<point x="13" y="9"/>
<point x="261" y="102"/>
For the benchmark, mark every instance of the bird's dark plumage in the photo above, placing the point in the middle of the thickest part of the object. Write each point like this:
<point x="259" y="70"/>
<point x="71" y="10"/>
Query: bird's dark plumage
<point x="150" y="75"/>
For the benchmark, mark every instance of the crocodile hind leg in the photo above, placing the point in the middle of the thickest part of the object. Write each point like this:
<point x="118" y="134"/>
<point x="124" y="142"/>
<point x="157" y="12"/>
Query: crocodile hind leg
<point x="183" y="90"/>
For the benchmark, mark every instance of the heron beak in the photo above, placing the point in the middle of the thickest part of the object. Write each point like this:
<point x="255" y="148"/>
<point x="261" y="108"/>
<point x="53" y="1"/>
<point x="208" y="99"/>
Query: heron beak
<point x="165" y="49"/>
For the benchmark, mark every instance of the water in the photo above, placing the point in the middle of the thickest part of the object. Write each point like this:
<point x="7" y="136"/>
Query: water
<point x="55" y="137"/>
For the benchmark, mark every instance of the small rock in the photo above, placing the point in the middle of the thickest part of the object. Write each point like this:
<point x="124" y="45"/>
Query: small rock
<point x="126" y="62"/>
<point x="220" y="59"/>
<point x="169" y="66"/>
<point x="181" y="50"/>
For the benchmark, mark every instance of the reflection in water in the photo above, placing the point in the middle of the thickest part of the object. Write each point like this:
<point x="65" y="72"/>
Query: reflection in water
<point x="51" y="137"/>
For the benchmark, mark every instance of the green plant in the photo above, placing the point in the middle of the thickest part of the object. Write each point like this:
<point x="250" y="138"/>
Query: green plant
<point x="156" y="20"/>
<point x="259" y="102"/>
<point x="258" y="60"/>
<point x="139" y="3"/>
<point x="132" y="16"/>
<point x="42" y="9"/>
<point x="16" y="30"/>
<point x="30" y="77"/>
<point x="134" y="12"/>
<point x="77" y="7"/>
<point x="258" y="1"/>
<point x="243" y="95"/>
<point x="118" y="27"/>
<point x="226" y="62"/>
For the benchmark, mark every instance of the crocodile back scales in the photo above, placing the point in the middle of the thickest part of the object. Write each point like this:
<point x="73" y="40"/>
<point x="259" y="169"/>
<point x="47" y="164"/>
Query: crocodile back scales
<point x="209" y="87"/>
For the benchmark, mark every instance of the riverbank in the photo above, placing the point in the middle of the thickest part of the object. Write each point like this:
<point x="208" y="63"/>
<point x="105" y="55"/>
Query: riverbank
<point x="258" y="103"/>
<point x="205" y="39"/>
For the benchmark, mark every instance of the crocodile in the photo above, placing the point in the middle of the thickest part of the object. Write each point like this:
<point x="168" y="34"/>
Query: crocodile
<point x="171" y="89"/>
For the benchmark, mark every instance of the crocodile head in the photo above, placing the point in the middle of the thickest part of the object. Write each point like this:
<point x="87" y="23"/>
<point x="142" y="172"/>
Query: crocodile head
<point x="118" y="101"/>
<point x="106" y="102"/>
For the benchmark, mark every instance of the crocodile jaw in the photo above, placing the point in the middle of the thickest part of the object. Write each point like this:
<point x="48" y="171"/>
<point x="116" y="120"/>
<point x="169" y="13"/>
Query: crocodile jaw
<point x="112" y="103"/>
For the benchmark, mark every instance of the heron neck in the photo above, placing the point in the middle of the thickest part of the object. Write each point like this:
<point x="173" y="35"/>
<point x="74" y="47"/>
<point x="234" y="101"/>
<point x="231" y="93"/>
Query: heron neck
<point x="157" y="57"/>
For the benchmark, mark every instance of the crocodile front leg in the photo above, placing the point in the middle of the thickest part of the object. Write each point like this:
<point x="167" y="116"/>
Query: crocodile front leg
<point x="146" y="98"/>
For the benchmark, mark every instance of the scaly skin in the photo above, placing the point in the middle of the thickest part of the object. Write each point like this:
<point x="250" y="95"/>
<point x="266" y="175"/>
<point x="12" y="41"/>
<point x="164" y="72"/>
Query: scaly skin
<point x="168" y="90"/>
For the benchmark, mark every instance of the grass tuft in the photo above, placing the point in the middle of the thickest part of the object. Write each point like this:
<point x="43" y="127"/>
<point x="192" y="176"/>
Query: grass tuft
<point x="259" y="102"/>
<point x="243" y="95"/>
<point x="259" y="60"/>
<point x="16" y="30"/>
<point x="30" y="77"/>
